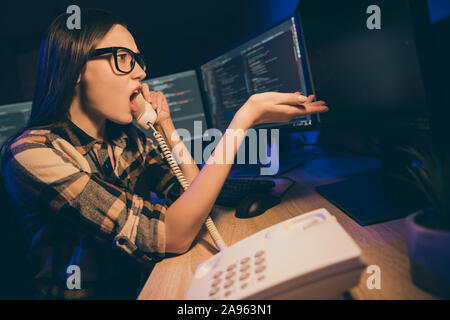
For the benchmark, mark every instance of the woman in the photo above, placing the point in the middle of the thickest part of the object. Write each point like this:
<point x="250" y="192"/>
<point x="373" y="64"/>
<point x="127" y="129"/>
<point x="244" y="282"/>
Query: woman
<point x="80" y="175"/>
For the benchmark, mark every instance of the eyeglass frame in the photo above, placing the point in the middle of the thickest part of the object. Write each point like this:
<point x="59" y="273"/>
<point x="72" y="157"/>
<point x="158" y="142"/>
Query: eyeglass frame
<point x="137" y="57"/>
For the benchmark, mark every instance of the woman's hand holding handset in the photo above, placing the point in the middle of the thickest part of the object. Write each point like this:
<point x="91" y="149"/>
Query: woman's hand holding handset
<point x="159" y="103"/>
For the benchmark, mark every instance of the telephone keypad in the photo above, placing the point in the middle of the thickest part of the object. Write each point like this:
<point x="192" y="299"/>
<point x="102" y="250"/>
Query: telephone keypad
<point x="250" y="266"/>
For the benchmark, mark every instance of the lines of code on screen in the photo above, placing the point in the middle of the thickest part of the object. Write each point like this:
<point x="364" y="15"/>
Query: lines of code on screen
<point x="183" y="96"/>
<point x="269" y="62"/>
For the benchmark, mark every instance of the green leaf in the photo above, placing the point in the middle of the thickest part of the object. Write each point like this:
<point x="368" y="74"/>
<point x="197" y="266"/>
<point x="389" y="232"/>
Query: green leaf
<point x="433" y="180"/>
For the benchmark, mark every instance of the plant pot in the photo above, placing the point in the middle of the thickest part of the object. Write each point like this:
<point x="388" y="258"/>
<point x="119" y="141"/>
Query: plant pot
<point x="429" y="253"/>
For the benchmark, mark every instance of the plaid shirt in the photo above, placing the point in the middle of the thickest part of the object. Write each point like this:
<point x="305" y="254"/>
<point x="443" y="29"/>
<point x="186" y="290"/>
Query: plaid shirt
<point x="77" y="208"/>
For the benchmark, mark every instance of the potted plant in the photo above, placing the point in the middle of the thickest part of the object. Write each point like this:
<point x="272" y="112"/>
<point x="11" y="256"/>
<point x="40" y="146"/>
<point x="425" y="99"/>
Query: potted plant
<point x="428" y="231"/>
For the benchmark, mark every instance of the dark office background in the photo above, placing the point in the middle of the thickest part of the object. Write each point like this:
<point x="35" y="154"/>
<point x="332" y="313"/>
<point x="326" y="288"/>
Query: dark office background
<point x="174" y="35"/>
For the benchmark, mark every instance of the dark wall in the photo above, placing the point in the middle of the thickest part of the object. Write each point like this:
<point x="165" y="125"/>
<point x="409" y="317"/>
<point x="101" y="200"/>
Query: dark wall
<point x="174" y="35"/>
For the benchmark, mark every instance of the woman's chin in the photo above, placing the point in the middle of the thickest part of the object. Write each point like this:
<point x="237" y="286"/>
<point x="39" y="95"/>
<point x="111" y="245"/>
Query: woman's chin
<point x="122" y="120"/>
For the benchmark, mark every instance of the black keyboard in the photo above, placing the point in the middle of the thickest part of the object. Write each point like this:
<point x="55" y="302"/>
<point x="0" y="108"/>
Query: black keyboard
<point x="234" y="190"/>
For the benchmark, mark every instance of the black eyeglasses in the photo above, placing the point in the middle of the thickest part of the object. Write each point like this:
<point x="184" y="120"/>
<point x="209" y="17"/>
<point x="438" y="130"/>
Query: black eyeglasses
<point x="124" y="58"/>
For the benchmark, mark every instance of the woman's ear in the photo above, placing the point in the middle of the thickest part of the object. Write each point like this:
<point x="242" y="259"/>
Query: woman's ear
<point x="79" y="75"/>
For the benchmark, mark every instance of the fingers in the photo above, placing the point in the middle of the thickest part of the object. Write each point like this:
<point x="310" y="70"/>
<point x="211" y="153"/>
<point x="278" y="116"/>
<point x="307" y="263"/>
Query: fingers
<point x="290" y="98"/>
<point x="147" y="94"/>
<point x="151" y="96"/>
<point x="310" y="108"/>
<point x="319" y="104"/>
<point x="316" y="107"/>
<point x="159" y="97"/>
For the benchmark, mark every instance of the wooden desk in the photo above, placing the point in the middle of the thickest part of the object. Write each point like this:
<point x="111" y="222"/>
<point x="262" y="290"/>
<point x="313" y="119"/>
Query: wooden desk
<point x="382" y="244"/>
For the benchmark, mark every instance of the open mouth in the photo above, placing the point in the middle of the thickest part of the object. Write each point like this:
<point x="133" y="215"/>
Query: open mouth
<point x="134" y="95"/>
<point x="133" y="103"/>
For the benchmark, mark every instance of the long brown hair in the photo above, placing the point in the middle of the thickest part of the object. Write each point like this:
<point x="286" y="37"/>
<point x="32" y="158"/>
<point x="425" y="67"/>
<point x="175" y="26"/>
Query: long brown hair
<point x="62" y="56"/>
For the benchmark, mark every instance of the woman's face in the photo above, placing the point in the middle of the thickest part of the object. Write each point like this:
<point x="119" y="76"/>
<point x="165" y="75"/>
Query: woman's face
<point x="104" y="91"/>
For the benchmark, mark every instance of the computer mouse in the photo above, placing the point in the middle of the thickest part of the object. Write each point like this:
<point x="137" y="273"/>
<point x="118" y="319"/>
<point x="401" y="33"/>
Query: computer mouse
<point x="255" y="204"/>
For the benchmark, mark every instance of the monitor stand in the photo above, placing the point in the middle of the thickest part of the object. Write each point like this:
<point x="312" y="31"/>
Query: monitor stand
<point x="290" y="155"/>
<point x="376" y="196"/>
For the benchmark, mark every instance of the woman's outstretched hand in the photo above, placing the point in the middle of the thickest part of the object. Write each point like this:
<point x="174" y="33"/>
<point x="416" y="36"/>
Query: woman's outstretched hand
<point x="269" y="107"/>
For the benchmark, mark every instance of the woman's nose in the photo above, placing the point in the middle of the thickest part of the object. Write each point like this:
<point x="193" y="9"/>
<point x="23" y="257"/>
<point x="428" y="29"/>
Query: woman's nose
<point x="138" y="72"/>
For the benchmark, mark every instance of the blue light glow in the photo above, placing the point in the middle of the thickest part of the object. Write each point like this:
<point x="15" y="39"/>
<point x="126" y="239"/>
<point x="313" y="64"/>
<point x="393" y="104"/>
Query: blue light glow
<point x="439" y="10"/>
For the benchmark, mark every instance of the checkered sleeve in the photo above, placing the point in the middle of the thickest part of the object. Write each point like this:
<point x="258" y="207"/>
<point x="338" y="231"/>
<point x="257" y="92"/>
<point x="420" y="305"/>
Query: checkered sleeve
<point x="43" y="177"/>
<point x="160" y="176"/>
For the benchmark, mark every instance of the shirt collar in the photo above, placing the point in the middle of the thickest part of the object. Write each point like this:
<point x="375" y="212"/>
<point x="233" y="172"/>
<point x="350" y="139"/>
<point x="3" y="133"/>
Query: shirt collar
<point x="84" y="142"/>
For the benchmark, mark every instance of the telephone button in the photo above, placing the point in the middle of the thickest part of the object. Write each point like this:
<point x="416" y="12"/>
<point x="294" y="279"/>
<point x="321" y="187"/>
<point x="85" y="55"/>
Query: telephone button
<point x="216" y="282"/>
<point x="231" y="267"/>
<point x="245" y="267"/>
<point x="245" y="260"/>
<point x="260" y="269"/>
<point x="214" y="291"/>
<point x="260" y="261"/>
<point x="230" y="275"/>
<point x="228" y="284"/>
<point x="228" y="293"/>
<point x="244" y="276"/>
<point x="218" y="274"/>
<point x="260" y="253"/>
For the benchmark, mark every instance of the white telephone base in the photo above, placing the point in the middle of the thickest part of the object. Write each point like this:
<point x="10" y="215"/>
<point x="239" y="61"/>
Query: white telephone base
<point x="307" y="257"/>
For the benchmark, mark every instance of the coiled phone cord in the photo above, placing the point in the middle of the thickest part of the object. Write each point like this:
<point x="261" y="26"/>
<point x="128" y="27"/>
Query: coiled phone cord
<point x="215" y="235"/>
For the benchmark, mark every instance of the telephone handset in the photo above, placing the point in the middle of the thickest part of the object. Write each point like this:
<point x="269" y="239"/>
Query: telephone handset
<point x="145" y="117"/>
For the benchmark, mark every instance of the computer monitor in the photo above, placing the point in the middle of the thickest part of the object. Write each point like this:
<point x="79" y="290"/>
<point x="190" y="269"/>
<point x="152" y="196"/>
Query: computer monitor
<point x="270" y="61"/>
<point x="183" y="95"/>
<point x="13" y="117"/>
<point x="374" y="66"/>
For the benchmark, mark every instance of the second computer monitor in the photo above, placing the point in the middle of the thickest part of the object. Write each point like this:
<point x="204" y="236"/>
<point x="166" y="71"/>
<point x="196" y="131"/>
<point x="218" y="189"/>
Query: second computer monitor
<point x="272" y="61"/>
<point x="185" y="103"/>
